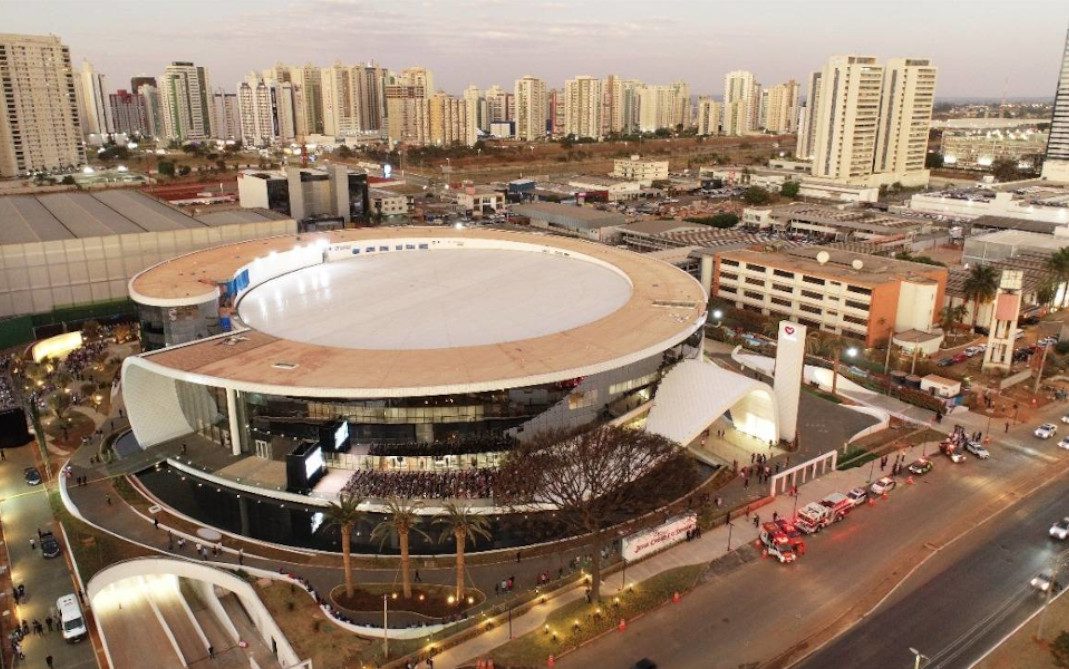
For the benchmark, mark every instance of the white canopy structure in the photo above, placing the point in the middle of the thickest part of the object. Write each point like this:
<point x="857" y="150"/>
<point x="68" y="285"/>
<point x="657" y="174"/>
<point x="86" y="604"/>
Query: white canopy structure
<point x="695" y="393"/>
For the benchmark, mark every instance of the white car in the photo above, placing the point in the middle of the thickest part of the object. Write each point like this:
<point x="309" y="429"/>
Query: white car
<point x="1064" y="443"/>
<point x="883" y="486"/>
<point x="977" y="449"/>
<point x="1060" y="529"/>
<point x="972" y="351"/>
<point x="1046" y="430"/>
<point x="1044" y="582"/>
<point x="1065" y="418"/>
<point x="858" y="495"/>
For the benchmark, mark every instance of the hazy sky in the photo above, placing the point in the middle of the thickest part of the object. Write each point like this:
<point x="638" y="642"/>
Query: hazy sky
<point x="981" y="47"/>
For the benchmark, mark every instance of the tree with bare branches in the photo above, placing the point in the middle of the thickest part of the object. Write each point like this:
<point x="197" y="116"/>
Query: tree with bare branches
<point x="595" y="477"/>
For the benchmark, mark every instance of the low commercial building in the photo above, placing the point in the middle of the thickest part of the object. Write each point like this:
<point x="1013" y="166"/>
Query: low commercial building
<point x="824" y="189"/>
<point x="615" y="189"/>
<point x="838" y="224"/>
<point x="577" y="221"/>
<point x="979" y="149"/>
<point x="479" y="200"/>
<point x="315" y="198"/>
<point x="386" y="202"/>
<point x="853" y="294"/>
<point x="645" y="235"/>
<point x="644" y="171"/>
<point x="1030" y="201"/>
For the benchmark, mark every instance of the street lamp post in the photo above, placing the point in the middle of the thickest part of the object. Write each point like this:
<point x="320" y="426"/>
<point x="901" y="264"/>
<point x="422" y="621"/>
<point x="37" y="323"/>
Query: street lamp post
<point x="731" y="526"/>
<point x="718" y="315"/>
<point x="850" y="353"/>
<point x="385" y="630"/>
<point x="917" y="657"/>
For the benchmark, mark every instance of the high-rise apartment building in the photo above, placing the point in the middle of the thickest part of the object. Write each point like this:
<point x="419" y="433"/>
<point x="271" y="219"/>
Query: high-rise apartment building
<point x="905" y="119"/>
<point x="478" y="117"/>
<point x="612" y="112"/>
<point x="447" y="121"/>
<point x="269" y="110"/>
<point x="872" y="122"/>
<point x="781" y="108"/>
<point x="339" y="112"/>
<point x="555" y="111"/>
<point x="583" y="107"/>
<point x="137" y="82"/>
<point x="499" y="104"/>
<point x="184" y="91"/>
<point x="128" y="112"/>
<point x="406" y="107"/>
<point x="741" y="102"/>
<point x="1056" y="162"/>
<point x="530" y="97"/>
<point x="153" y="120"/>
<point x="96" y="113"/>
<point x="226" y="118"/>
<point x="39" y="127"/>
<point x="847" y="118"/>
<point x="309" y="79"/>
<point x="369" y="83"/>
<point x="709" y="114"/>
<point x="807" y="119"/>
<point x="654" y="107"/>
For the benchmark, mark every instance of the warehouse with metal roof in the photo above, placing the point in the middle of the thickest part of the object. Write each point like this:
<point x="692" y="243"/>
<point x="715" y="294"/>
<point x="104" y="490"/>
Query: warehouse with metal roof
<point x="79" y="247"/>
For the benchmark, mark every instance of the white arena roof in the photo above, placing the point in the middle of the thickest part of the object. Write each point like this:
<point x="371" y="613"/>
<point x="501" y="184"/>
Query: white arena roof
<point x="446" y="299"/>
<point x="417" y="311"/>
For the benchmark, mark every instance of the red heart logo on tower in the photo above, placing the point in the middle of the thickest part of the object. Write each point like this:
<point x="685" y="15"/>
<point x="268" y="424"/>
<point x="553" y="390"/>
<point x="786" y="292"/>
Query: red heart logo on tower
<point x="788" y="329"/>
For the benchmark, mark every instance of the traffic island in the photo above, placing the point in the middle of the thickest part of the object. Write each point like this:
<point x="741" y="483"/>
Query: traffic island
<point x="428" y="600"/>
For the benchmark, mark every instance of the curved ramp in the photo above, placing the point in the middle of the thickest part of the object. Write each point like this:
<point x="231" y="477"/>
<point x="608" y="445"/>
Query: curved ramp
<point x="695" y="393"/>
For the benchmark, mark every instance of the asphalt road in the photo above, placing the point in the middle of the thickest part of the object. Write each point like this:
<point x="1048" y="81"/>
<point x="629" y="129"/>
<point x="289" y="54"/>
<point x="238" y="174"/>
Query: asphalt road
<point x="964" y="600"/>
<point x="756" y="613"/>
<point x="24" y="510"/>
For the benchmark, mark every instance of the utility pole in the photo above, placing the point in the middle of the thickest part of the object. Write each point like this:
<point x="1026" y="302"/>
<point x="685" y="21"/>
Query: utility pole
<point x="385" y="631"/>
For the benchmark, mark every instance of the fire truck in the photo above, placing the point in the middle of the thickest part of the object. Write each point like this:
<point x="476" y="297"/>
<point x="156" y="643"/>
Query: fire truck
<point x="814" y="517"/>
<point x="794" y="535"/>
<point x="839" y="504"/>
<point x="776" y="543"/>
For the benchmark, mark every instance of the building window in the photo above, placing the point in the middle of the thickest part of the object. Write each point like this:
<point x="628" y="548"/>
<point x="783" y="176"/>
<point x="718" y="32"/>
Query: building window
<point x="727" y="290"/>
<point x="755" y="268"/>
<point x="753" y="295"/>
<point x="729" y="262"/>
<point x="853" y="304"/>
<point x="755" y="282"/>
<point x="859" y="290"/>
<point x="725" y="276"/>
<point x="780" y="301"/>
<point x="782" y="288"/>
<point x="855" y="319"/>
<point x="812" y="295"/>
<point x="809" y="309"/>
<point x="813" y="280"/>
<point x="785" y="274"/>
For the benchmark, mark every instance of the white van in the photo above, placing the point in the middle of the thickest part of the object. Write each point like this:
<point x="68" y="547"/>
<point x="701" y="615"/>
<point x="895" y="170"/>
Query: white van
<point x="71" y="619"/>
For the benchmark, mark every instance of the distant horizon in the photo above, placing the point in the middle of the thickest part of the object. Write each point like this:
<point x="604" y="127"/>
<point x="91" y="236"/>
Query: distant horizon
<point x="984" y="53"/>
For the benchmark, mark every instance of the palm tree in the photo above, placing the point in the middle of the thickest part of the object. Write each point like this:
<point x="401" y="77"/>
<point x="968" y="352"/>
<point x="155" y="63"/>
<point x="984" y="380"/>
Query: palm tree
<point x="1057" y="272"/>
<point x="951" y="315"/>
<point x="463" y="525"/>
<point x="980" y="286"/>
<point x="346" y="513"/>
<point x="401" y="520"/>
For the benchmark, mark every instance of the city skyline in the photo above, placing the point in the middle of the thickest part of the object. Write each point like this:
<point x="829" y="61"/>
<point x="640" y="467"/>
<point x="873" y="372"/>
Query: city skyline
<point x="695" y="42"/>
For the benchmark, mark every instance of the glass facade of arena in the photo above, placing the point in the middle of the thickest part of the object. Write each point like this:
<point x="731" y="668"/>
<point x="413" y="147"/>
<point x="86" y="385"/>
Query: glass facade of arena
<point x="513" y="413"/>
<point x="167" y="326"/>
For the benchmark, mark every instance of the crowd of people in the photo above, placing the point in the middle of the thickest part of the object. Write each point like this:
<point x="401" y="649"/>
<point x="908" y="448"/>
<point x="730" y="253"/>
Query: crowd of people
<point x="455" y="484"/>
<point x="83" y="356"/>
<point x="466" y="446"/>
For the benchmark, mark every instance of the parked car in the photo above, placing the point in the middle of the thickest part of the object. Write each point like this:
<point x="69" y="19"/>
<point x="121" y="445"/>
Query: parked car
<point x="857" y="495"/>
<point x="1060" y="529"/>
<point x="960" y="357"/>
<point x="920" y="466"/>
<point x="1046" y="431"/>
<point x="1065" y="419"/>
<point x="50" y="547"/>
<point x="956" y="456"/>
<point x="973" y="351"/>
<point x="32" y="476"/>
<point x="977" y="449"/>
<point x="1064" y="443"/>
<point x="883" y="486"/>
<point x="945" y="362"/>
